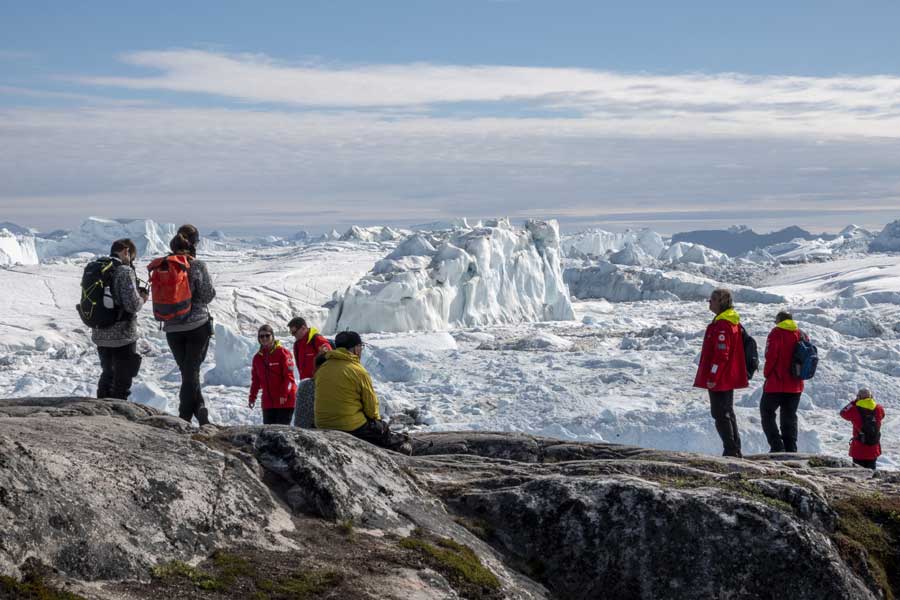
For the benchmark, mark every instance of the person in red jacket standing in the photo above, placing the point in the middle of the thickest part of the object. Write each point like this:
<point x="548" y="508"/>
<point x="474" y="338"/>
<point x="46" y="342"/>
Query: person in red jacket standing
<point x="781" y="390"/>
<point x="866" y="416"/>
<point x="273" y="372"/>
<point x="723" y="368"/>
<point x="307" y="345"/>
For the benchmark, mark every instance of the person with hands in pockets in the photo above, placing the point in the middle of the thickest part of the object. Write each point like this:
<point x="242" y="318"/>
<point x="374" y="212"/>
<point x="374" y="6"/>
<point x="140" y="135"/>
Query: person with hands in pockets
<point x="722" y="368"/>
<point x="273" y="373"/>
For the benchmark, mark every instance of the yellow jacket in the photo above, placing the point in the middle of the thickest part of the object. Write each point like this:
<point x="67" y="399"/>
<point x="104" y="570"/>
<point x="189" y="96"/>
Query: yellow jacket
<point x="345" y="398"/>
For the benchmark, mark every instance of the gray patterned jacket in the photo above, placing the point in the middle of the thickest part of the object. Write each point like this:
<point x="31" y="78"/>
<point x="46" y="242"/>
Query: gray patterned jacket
<point x="202" y="293"/>
<point x="125" y="295"/>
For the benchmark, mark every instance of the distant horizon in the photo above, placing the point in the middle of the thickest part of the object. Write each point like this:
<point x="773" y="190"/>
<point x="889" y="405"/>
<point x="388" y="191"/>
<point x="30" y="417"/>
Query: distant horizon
<point x="663" y="223"/>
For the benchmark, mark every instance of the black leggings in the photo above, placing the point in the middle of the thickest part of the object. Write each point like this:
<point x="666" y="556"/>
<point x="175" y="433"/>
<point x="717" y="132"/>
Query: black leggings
<point x="120" y="366"/>
<point x="189" y="349"/>
<point x="277" y="416"/>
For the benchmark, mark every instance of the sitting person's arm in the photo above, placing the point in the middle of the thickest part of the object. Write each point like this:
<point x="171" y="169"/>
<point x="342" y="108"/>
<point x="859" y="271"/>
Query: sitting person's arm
<point x="368" y="397"/>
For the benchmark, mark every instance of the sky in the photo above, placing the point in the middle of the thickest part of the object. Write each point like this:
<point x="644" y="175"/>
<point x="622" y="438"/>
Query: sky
<point x="279" y="116"/>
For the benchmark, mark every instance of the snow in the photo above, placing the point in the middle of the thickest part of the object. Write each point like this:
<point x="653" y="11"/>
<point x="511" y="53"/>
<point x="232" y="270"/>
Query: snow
<point x="619" y="369"/>
<point x="598" y="243"/>
<point x="466" y="277"/>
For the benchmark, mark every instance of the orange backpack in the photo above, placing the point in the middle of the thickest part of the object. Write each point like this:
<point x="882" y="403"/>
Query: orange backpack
<point x="170" y="287"/>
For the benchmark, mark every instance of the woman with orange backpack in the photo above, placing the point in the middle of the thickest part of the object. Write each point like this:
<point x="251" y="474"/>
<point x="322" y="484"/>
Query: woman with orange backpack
<point x="181" y="289"/>
<point x="273" y="373"/>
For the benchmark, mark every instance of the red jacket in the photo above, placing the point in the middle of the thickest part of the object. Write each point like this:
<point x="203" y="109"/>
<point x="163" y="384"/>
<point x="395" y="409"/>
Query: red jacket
<point x="722" y="365"/>
<point x="858" y="450"/>
<point x="779" y="354"/>
<point x="273" y="372"/>
<point x="305" y="352"/>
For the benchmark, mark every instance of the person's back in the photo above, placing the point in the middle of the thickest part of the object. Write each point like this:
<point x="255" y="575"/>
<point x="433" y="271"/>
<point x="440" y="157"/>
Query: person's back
<point x="779" y="356"/>
<point x="345" y="398"/>
<point x="861" y="412"/>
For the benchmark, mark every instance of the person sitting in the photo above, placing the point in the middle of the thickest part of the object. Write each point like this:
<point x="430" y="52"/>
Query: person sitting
<point x="273" y="372"/>
<point x="345" y="399"/>
<point x="866" y="416"/>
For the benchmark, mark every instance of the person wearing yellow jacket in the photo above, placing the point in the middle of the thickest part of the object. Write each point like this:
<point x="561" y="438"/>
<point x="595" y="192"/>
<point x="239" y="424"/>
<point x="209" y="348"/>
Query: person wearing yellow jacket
<point x="346" y="399"/>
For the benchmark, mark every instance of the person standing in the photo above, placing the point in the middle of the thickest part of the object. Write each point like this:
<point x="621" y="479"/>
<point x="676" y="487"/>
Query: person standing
<point x="117" y="344"/>
<point x="188" y="334"/>
<point x="782" y="390"/>
<point x="309" y="350"/>
<point x="866" y="416"/>
<point x="273" y="373"/>
<point x="722" y="368"/>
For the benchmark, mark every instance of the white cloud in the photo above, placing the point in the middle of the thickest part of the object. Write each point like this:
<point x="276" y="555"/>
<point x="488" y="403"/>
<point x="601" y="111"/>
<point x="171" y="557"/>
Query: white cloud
<point x="642" y="104"/>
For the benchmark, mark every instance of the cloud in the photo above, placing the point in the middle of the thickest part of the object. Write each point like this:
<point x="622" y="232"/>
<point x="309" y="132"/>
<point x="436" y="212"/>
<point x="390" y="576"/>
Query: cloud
<point x="642" y="104"/>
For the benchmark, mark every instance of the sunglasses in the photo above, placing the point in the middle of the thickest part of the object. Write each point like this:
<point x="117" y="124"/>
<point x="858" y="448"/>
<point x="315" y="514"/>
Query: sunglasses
<point x="263" y="336"/>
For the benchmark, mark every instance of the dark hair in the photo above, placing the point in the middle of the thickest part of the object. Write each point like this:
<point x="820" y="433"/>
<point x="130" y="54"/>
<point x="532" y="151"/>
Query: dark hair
<point x="320" y="359"/>
<point x="347" y="339"/>
<point x="123" y="244"/>
<point x="181" y="245"/>
<point x="724" y="297"/>
<point x="267" y="329"/>
<point x="190" y="232"/>
<point x="783" y="316"/>
<point x="297" y="322"/>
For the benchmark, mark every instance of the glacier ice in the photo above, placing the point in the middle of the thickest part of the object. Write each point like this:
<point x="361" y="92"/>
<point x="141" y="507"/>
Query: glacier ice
<point x="17" y="249"/>
<point x="496" y="273"/>
<point x="233" y="356"/>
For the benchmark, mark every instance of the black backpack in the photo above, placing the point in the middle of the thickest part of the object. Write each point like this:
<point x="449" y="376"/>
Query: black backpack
<point x="805" y="358"/>
<point x="96" y="285"/>
<point x="870" y="432"/>
<point x="751" y="353"/>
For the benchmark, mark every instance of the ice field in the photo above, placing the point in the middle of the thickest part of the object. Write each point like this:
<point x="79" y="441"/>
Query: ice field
<point x="492" y="326"/>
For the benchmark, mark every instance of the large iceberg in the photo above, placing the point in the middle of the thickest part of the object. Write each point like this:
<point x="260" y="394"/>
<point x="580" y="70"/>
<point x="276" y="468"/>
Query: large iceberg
<point x="17" y="249"/>
<point x="490" y="274"/>
<point x="96" y="235"/>
<point x="599" y="243"/>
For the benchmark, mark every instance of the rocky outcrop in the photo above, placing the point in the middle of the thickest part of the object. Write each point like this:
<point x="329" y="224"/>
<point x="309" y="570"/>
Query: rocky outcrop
<point x="108" y="494"/>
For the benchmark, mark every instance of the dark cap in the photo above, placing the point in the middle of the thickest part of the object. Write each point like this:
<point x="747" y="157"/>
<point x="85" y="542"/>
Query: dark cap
<point x="347" y="339"/>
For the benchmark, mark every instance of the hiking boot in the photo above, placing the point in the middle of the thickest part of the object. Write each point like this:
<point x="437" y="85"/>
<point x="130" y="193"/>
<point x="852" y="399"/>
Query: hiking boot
<point x="405" y="448"/>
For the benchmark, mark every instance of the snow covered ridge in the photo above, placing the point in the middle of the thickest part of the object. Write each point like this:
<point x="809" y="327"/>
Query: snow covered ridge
<point x="888" y="240"/>
<point x="492" y="274"/>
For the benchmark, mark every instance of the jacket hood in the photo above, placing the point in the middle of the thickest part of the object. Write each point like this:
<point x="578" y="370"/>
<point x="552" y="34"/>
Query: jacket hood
<point x="788" y="325"/>
<point x="867" y="403"/>
<point x="729" y="315"/>
<point x="312" y="333"/>
<point x="342" y="354"/>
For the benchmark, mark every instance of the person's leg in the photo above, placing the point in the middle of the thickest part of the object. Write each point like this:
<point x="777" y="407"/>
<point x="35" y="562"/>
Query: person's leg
<point x="867" y="464"/>
<point x="178" y="345"/>
<point x="722" y="409"/>
<point x="104" y="384"/>
<point x="267" y="416"/>
<point x="789" y="405"/>
<point x="374" y="432"/>
<point x="197" y="345"/>
<point x="282" y="416"/>
<point x="126" y="364"/>
<point x="768" y="404"/>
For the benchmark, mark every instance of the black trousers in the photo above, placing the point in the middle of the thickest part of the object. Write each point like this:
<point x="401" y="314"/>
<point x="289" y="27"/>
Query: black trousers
<point x="786" y="439"/>
<point x="119" y="367"/>
<point x="721" y="406"/>
<point x="189" y="349"/>
<point x="868" y="464"/>
<point x="277" y="416"/>
<point x="379" y="433"/>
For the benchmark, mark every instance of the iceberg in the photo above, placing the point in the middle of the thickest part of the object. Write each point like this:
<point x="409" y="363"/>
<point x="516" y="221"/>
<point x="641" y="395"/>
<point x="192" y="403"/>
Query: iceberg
<point x="496" y="273"/>
<point x="17" y="249"/>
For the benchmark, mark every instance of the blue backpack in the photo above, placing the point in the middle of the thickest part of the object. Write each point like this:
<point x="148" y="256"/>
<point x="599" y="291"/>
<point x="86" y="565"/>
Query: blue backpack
<point x="805" y="358"/>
